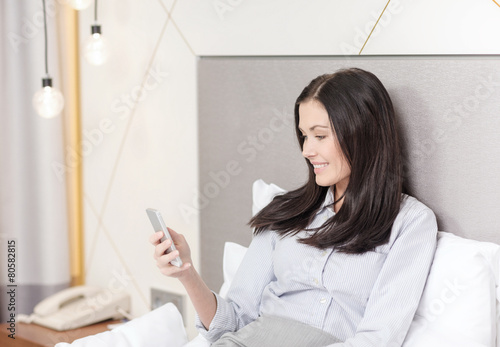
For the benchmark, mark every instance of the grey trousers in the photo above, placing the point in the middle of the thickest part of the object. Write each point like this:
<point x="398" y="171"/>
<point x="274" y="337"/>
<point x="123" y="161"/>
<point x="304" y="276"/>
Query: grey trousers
<point x="269" y="331"/>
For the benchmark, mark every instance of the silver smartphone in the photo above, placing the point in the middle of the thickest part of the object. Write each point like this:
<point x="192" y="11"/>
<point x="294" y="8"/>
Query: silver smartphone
<point x="159" y="225"/>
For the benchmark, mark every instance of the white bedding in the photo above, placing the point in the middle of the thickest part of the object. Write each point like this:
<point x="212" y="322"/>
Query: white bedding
<point x="459" y="306"/>
<point x="162" y="327"/>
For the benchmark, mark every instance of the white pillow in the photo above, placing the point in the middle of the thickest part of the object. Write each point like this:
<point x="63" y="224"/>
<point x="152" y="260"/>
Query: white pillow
<point x="162" y="327"/>
<point x="233" y="255"/>
<point x="458" y="306"/>
<point x="263" y="194"/>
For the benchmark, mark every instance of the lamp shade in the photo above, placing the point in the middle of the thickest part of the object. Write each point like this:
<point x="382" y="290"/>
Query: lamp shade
<point x="96" y="48"/>
<point x="79" y="4"/>
<point x="48" y="102"/>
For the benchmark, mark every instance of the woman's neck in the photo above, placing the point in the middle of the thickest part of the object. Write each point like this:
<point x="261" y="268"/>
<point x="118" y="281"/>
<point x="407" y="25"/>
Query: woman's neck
<point x="338" y="197"/>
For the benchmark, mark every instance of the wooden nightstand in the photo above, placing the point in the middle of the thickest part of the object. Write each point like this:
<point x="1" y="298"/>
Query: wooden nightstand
<point x="32" y="335"/>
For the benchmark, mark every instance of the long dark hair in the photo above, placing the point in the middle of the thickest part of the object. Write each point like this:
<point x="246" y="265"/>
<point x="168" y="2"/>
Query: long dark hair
<point x="363" y="120"/>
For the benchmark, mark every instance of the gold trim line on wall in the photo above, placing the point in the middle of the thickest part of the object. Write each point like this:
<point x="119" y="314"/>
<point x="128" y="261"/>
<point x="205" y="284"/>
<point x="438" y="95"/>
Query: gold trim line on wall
<point x="375" y="26"/>
<point x="70" y="75"/>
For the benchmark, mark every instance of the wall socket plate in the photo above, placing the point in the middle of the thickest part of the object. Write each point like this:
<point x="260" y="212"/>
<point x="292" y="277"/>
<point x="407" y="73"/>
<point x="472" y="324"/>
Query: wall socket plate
<point x="160" y="297"/>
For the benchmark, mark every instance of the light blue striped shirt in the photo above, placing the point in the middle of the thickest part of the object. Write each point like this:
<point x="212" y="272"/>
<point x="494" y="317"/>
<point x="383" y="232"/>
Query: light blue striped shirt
<point x="365" y="300"/>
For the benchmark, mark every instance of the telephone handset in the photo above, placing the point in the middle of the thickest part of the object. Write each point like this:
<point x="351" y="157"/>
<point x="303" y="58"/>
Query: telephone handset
<point x="55" y="302"/>
<point x="79" y="306"/>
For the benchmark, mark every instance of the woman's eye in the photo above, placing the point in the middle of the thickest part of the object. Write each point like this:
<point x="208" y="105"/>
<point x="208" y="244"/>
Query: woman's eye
<point x="320" y="137"/>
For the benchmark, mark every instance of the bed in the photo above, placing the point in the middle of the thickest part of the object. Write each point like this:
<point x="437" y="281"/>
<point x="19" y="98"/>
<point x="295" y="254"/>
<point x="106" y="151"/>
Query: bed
<point x="448" y="109"/>
<point x="459" y="306"/>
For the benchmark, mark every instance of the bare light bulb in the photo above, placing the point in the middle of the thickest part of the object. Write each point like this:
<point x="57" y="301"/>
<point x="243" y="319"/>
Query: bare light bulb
<point x="48" y="101"/>
<point x="96" y="47"/>
<point x="79" y="4"/>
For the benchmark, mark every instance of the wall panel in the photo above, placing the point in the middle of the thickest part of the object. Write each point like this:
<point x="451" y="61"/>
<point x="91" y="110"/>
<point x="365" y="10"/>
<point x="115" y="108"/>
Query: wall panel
<point x="448" y="108"/>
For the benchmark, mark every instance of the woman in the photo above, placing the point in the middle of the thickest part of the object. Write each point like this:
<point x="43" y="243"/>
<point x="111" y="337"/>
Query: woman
<point x="341" y="261"/>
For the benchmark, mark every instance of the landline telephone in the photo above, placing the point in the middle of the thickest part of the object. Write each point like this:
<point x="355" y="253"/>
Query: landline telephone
<point x="79" y="306"/>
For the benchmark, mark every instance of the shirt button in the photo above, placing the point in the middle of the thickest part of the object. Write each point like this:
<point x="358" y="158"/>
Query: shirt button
<point x="323" y="253"/>
<point x="316" y="281"/>
<point x="322" y="300"/>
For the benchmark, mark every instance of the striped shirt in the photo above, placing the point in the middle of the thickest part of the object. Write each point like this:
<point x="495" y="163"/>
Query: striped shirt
<point x="365" y="299"/>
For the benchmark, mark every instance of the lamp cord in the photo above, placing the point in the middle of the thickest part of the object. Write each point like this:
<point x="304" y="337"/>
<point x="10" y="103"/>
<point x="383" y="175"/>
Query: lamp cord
<point x="95" y="11"/>
<point x="45" y="31"/>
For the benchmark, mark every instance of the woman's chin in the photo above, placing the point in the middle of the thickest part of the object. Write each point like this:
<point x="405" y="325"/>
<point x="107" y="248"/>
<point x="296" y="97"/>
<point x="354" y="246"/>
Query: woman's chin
<point x="322" y="183"/>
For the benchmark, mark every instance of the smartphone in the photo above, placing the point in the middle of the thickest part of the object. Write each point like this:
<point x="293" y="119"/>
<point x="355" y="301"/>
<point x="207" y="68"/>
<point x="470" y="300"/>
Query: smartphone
<point x="159" y="225"/>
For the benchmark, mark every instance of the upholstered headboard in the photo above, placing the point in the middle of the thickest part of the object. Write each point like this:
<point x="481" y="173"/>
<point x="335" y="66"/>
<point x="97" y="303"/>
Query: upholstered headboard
<point x="449" y="113"/>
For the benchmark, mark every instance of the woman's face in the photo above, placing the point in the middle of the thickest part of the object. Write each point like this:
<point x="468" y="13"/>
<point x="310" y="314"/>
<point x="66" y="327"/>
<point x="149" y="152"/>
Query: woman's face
<point x="321" y="146"/>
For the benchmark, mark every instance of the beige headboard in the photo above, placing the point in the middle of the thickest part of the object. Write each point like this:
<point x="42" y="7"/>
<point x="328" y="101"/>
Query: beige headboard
<point x="449" y="111"/>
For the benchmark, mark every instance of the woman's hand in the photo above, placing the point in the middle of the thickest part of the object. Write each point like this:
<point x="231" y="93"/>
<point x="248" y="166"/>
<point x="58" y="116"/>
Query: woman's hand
<point x="163" y="260"/>
<point x="202" y="298"/>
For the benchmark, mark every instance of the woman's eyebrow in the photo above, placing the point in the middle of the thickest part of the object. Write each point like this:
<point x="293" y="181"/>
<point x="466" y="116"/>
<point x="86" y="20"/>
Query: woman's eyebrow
<point x="316" y="126"/>
<point x="319" y="126"/>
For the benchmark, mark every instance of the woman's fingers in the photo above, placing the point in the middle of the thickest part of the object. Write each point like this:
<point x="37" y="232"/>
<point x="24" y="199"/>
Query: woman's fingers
<point x="181" y="244"/>
<point x="155" y="237"/>
<point x="161" y="248"/>
<point x="167" y="258"/>
<point x="167" y="268"/>
<point x="173" y="233"/>
<point x="163" y="260"/>
<point x="176" y="237"/>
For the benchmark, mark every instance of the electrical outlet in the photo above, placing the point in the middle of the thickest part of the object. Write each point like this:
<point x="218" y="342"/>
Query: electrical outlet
<point x="161" y="297"/>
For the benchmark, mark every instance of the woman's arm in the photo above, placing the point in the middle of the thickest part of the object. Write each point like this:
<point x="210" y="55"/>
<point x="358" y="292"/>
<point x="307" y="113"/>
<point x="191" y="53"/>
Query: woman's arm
<point x="242" y="303"/>
<point x="241" y="306"/>
<point x="201" y="296"/>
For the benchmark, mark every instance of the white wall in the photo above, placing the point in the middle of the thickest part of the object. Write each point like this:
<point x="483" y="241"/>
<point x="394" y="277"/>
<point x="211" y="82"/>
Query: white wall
<point x="140" y="149"/>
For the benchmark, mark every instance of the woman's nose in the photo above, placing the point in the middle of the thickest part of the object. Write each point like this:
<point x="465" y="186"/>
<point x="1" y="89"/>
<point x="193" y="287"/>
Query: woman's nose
<point x="308" y="150"/>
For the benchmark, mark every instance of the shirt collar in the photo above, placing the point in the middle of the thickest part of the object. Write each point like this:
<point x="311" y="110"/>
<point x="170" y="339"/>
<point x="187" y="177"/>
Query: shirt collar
<point x="329" y="199"/>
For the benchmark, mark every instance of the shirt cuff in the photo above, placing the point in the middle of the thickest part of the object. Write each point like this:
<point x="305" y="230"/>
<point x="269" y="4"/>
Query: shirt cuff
<point x="223" y="321"/>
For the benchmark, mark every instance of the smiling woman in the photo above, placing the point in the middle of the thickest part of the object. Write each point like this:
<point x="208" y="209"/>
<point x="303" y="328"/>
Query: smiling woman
<point x="321" y="147"/>
<point x="346" y="127"/>
<point x="324" y="255"/>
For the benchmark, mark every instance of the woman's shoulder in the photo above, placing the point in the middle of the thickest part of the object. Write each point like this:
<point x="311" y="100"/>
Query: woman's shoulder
<point x="414" y="214"/>
<point x="411" y="206"/>
<point x="414" y="218"/>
